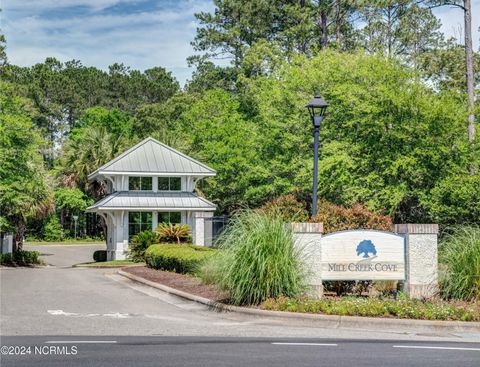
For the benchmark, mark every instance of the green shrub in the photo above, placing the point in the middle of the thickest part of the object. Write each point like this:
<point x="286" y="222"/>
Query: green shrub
<point x="178" y="258"/>
<point x="52" y="231"/>
<point x="100" y="256"/>
<point x="340" y="218"/>
<point x="459" y="258"/>
<point x="173" y="233"/>
<point x="257" y="260"/>
<point x="139" y="244"/>
<point x="20" y="258"/>
<point x="287" y="207"/>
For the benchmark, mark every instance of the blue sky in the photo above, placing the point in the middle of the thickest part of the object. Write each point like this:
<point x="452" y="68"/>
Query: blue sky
<point x="139" y="33"/>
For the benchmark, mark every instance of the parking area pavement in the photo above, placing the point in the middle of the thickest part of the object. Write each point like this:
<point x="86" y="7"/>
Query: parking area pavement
<point x="66" y="255"/>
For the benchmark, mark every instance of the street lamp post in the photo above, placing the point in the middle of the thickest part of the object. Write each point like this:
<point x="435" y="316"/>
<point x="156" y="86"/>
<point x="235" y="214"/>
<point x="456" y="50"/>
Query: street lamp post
<point x="317" y="108"/>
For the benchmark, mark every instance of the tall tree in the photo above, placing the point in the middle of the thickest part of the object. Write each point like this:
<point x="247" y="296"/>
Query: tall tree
<point x="294" y="25"/>
<point x="466" y="7"/>
<point x="24" y="192"/>
<point x="399" y="28"/>
<point x="3" y="54"/>
<point x="90" y="148"/>
<point x="444" y="67"/>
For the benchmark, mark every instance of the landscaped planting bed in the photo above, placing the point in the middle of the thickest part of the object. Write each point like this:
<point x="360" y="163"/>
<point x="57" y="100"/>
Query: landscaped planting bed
<point x="21" y="258"/>
<point x="185" y="283"/>
<point x="403" y="308"/>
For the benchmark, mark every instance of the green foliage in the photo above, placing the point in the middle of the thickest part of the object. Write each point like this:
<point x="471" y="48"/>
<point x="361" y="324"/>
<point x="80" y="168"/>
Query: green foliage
<point x="24" y="193"/>
<point x="339" y="218"/>
<point x="72" y="199"/>
<point x="52" y="231"/>
<point x="287" y="207"/>
<point x="402" y="308"/>
<point x="257" y="260"/>
<point x="168" y="232"/>
<point x="184" y="259"/>
<point x="459" y="259"/>
<point x="87" y="152"/>
<point x="113" y="120"/>
<point x="399" y="28"/>
<point x="235" y="25"/>
<point x="455" y="199"/>
<point x="165" y="121"/>
<point x="221" y="136"/>
<point x="386" y="143"/>
<point x="140" y="242"/>
<point x="100" y="256"/>
<point x="20" y="258"/>
<point x="63" y="91"/>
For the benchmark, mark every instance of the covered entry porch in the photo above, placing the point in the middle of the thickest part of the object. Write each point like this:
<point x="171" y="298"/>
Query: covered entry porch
<point x="127" y="215"/>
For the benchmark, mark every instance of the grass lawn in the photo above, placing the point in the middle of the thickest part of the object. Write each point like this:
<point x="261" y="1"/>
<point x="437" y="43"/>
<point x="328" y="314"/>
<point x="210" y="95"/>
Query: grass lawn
<point x="107" y="264"/>
<point x="66" y="242"/>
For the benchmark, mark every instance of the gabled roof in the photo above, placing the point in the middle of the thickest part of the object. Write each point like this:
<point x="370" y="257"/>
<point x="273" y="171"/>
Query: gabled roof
<point x="153" y="157"/>
<point x="147" y="200"/>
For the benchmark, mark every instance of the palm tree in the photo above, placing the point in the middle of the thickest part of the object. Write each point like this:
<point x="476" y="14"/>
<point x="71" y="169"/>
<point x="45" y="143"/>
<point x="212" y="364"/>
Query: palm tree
<point x="91" y="149"/>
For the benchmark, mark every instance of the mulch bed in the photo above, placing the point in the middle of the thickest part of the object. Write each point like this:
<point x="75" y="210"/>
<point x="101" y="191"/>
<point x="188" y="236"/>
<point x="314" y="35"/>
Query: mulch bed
<point x="182" y="282"/>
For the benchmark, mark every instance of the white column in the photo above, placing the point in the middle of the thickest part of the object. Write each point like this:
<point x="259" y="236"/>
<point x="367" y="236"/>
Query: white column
<point x="154" y="183"/>
<point x="421" y="259"/>
<point x="154" y="220"/>
<point x="307" y="237"/>
<point x="202" y="229"/>
<point x="121" y="244"/>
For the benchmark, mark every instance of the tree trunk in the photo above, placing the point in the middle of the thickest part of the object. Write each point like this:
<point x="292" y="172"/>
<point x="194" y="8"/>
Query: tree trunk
<point x="303" y="41"/>
<point x="18" y="237"/>
<point x="323" y="24"/>
<point x="338" y="21"/>
<point x="62" y="217"/>
<point x="469" y="71"/>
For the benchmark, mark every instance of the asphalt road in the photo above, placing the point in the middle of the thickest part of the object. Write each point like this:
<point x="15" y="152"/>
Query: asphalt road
<point x="148" y="327"/>
<point x="211" y="352"/>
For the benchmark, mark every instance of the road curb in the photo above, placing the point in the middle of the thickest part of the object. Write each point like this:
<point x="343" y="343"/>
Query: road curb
<point x="83" y="266"/>
<point x="366" y="323"/>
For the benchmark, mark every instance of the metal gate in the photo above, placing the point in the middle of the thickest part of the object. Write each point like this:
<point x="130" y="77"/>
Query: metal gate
<point x="219" y="224"/>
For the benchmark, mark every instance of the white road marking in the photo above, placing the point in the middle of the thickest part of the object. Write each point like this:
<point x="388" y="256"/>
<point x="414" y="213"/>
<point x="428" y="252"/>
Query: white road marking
<point x="81" y="342"/>
<point x="115" y="315"/>
<point x="432" y="347"/>
<point x="314" y="344"/>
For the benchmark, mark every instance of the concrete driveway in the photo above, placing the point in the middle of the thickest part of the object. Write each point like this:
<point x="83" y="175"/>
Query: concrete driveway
<point x="66" y="255"/>
<point x="60" y="303"/>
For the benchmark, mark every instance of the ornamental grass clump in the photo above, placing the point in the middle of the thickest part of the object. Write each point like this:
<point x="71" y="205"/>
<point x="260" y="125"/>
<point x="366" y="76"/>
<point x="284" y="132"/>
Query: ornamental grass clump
<point x="459" y="258"/>
<point x="257" y="260"/>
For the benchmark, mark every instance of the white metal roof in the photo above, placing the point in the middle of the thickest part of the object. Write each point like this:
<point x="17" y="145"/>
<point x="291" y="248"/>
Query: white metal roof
<point x="153" y="157"/>
<point x="148" y="200"/>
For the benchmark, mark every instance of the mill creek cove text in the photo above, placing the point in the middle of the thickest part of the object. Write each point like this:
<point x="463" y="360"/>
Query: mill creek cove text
<point x="363" y="267"/>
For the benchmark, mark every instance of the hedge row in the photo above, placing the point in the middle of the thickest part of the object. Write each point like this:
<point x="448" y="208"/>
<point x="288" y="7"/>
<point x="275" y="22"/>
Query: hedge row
<point x="20" y="258"/>
<point x="178" y="258"/>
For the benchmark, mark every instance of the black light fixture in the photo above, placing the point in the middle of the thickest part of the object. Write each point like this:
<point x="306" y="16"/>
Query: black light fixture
<point x="317" y="109"/>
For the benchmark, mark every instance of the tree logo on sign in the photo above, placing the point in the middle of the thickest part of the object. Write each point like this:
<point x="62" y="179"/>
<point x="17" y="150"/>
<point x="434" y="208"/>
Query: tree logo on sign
<point x="366" y="247"/>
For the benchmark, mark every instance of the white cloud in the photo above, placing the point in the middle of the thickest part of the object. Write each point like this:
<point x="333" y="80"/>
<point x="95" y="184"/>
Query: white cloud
<point x="140" y="39"/>
<point x="149" y="33"/>
<point x="34" y="5"/>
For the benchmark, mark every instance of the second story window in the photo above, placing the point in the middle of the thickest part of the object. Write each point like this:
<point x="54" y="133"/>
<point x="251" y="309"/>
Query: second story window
<point x="169" y="183"/>
<point x="140" y="183"/>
